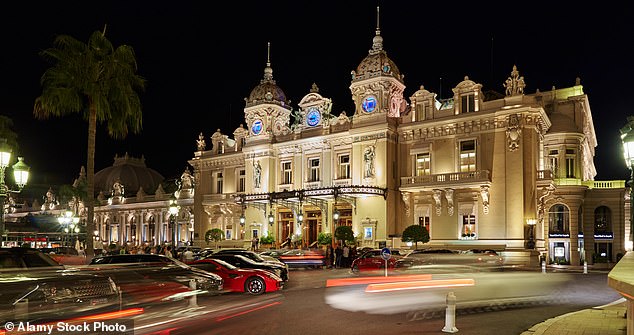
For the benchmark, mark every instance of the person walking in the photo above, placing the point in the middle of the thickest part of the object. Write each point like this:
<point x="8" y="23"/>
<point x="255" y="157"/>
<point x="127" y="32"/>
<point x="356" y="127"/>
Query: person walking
<point x="338" y="255"/>
<point x="330" y="256"/>
<point x="346" y="256"/>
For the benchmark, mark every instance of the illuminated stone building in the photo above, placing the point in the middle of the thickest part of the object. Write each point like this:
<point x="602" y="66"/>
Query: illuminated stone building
<point x="511" y="171"/>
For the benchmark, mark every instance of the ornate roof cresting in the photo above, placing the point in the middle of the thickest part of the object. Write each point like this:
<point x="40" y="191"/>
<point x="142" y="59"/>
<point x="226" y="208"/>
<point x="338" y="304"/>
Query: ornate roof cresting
<point x="515" y="83"/>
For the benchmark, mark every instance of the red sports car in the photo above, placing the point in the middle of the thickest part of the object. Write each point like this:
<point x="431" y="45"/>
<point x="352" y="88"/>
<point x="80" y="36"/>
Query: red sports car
<point x="372" y="260"/>
<point x="253" y="281"/>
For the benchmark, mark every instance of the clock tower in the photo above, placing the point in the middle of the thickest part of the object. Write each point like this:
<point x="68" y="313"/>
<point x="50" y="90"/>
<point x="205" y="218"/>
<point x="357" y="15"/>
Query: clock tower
<point x="377" y="84"/>
<point x="267" y="111"/>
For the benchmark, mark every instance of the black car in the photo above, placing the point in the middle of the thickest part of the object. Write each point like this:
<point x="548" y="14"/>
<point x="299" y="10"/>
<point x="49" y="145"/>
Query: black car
<point x="247" y="263"/>
<point x="160" y="267"/>
<point x="35" y="287"/>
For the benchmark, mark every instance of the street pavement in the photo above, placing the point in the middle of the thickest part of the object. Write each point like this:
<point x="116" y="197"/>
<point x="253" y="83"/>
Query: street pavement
<point x="601" y="320"/>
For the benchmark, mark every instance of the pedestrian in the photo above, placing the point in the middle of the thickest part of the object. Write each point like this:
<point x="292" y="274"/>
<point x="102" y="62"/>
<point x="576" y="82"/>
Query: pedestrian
<point x="338" y="255"/>
<point x="188" y="255"/>
<point x="254" y="243"/>
<point x="81" y="252"/>
<point x="168" y="251"/>
<point x="346" y="256"/>
<point x="330" y="256"/>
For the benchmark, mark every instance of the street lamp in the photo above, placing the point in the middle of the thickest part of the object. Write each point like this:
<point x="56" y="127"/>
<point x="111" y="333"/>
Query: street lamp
<point x="627" y="136"/>
<point x="173" y="209"/>
<point x="531" y="233"/>
<point x="69" y="222"/>
<point x="20" y="175"/>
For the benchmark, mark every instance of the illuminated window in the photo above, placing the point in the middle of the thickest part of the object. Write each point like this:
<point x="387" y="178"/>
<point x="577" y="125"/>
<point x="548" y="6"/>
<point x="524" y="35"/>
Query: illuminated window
<point x="423" y="164"/>
<point x="219" y="181"/>
<point x="241" y="180"/>
<point x="468" y="229"/>
<point x="344" y="166"/>
<point x="558" y="219"/>
<point x="367" y="233"/>
<point x="467" y="103"/>
<point x="553" y="162"/>
<point x="313" y="165"/>
<point x="570" y="163"/>
<point x="602" y="220"/>
<point x="287" y="172"/>
<point x="467" y="156"/>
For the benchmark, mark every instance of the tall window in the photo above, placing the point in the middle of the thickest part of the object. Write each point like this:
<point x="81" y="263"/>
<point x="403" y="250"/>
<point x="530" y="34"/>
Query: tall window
<point x="468" y="229"/>
<point x="425" y="222"/>
<point x="313" y="165"/>
<point x="421" y="109"/>
<point x="423" y="164"/>
<point x="467" y="103"/>
<point x="287" y="173"/>
<point x="219" y="181"/>
<point x="553" y="161"/>
<point x="570" y="163"/>
<point x="242" y="175"/>
<point x="467" y="156"/>
<point x="602" y="220"/>
<point x="558" y="219"/>
<point x="344" y="166"/>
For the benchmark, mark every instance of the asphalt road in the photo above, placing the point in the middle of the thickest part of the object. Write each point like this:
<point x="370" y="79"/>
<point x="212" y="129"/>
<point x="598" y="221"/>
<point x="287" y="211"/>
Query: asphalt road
<point x="305" y="307"/>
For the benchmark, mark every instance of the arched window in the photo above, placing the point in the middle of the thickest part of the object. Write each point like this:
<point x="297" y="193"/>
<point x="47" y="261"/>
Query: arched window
<point x="602" y="222"/>
<point x="559" y="219"/>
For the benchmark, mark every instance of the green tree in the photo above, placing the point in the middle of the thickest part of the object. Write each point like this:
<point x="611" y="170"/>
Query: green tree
<point x="344" y="233"/>
<point x="214" y="235"/>
<point x="268" y="239"/>
<point x="98" y="82"/>
<point x="324" y="238"/>
<point x="415" y="233"/>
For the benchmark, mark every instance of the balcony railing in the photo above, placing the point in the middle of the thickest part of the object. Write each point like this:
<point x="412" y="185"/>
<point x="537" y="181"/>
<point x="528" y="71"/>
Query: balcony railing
<point x="446" y="178"/>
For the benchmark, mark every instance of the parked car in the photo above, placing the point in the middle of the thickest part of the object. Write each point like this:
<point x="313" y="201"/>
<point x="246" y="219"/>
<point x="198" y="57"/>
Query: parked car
<point x="372" y="260"/>
<point x="31" y="281"/>
<point x="275" y="253"/>
<point x="162" y="268"/>
<point x="254" y="256"/>
<point x="253" y="281"/>
<point x="247" y="263"/>
<point x="298" y="258"/>
<point x="65" y="255"/>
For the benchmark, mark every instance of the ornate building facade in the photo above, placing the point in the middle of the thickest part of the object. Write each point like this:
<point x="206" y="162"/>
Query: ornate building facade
<point x="511" y="171"/>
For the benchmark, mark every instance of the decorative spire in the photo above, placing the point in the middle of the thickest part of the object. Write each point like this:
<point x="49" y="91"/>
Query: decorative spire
<point x="378" y="27"/>
<point x="268" y="70"/>
<point x="377" y="41"/>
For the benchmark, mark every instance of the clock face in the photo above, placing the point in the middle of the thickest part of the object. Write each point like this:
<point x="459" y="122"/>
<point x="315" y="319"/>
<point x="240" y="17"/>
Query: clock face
<point x="369" y="104"/>
<point x="313" y="117"/>
<point x="257" y="126"/>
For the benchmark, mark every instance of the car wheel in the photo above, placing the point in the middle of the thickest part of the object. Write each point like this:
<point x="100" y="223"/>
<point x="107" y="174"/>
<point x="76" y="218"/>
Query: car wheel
<point x="255" y="285"/>
<point x="355" y="268"/>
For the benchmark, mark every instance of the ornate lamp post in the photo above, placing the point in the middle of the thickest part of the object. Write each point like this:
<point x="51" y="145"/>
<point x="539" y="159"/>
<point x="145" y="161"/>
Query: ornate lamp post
<point x="69" y="224"/>
<point x="20" y="174"/>
<point x="173" y="209"/>
<point x="627" y="136"/>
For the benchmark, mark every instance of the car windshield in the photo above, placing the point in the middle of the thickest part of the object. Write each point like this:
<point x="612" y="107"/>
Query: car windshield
<point x="225" y="264"/>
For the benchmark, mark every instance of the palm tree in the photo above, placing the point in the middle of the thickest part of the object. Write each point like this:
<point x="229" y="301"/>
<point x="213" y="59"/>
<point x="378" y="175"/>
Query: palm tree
<point x="98" y="82"/>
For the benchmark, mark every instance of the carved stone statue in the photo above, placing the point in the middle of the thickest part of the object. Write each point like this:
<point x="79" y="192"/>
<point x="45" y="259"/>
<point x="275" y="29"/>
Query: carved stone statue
<point x="514" y="84"/>
<point x="368" y="161"/>
<point x="187" y="180"/>
<point x="118" y="189"/>
<point x="257" y="174"/>
<point x="201" y="142"/>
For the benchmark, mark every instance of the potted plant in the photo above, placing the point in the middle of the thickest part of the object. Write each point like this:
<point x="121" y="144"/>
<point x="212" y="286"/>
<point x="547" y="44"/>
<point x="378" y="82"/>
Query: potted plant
<point x="267" y="240"/>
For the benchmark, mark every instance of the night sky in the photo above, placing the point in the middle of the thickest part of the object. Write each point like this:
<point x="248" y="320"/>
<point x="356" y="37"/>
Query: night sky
<point x="201" y="61"/>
